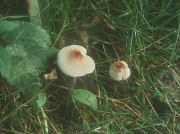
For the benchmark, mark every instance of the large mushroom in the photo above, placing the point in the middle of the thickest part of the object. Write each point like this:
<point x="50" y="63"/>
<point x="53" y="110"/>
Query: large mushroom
<point x="119" y="71"/>
<point x="73" y="61"/>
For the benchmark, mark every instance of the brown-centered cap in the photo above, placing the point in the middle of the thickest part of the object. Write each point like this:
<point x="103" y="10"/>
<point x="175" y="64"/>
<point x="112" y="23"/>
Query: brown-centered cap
<point x="73" y="61"/>
<point x="119" y="71"/>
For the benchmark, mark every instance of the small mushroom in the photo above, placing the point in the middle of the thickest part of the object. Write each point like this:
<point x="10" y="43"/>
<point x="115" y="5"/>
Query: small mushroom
<point x="119" y="71"/>
<point x="73" y="61"/>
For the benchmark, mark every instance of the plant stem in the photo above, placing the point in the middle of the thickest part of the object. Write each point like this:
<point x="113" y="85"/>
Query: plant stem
<point x="45" y="120"/>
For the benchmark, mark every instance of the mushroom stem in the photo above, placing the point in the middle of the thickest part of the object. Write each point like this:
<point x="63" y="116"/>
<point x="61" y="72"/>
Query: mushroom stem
<point x="73" y="83"/>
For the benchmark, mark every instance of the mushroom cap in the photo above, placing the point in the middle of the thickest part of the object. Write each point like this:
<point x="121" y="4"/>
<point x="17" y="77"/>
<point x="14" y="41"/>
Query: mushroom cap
<point x="119" y="71"/>
<point x="73" y="61"/>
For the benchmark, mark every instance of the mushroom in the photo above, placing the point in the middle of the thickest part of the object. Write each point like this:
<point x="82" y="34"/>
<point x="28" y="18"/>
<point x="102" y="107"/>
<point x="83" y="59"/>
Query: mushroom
<point x="73" y="61"/>
<point x="119" y="71"/>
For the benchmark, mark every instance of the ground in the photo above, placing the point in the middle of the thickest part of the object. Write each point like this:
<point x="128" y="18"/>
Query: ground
<point x="143" y="33"/>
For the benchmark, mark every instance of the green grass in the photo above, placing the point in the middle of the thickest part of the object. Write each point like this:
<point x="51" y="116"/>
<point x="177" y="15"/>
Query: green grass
<point x="145" y="34"/>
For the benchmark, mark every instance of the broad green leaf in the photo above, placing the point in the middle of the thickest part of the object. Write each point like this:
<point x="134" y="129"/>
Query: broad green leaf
<point x="26" y="34"/>
<point x="5" y="60"/>
<point x="41" y="57"/>
<point x="6" y="26"/>
<point x="34" y="41"/>
<point x="16" y="50"/>
<point x="19" y="70"/>
<point x="39" y="12"/>
<point x="26" y="56"/>
<point x="86" y="97"/>
<point x="41" y="99"/>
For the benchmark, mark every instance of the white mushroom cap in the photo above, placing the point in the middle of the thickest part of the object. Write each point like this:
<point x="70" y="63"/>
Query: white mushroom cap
<point x="119" y="71"/>
<point x="73" y="61"/>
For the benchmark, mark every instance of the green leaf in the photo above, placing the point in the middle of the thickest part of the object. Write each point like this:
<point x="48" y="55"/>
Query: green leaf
<point x="31" y="41"/>
<point x="39" y="12"/>
<point x="16" y="50"/>
<point x="25" y="34"/>
<point x="6" y="26"/>
<point x="41" y="57"/>
<point x="5" y="60"/>
<point x="86" y="97"/>
<point x="19" y="70"/>
<point x="26" y="56"/>
<point x="41" y="99"/>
